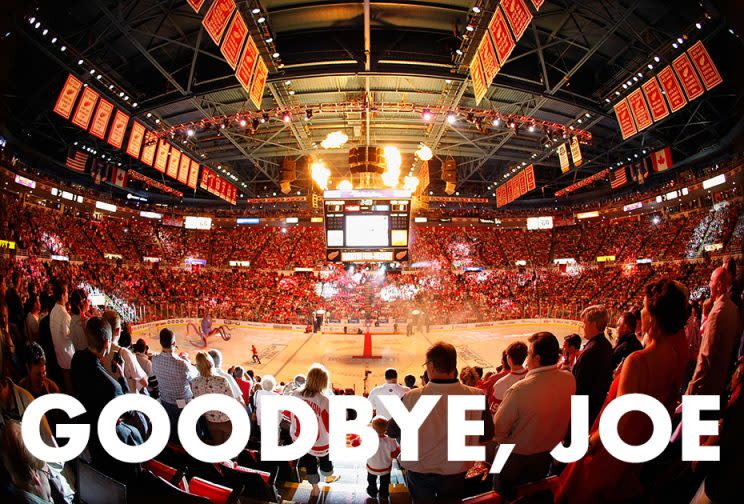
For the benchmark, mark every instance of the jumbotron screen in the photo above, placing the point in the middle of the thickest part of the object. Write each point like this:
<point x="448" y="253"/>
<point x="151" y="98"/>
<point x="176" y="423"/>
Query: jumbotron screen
<point x="367" y="225"/>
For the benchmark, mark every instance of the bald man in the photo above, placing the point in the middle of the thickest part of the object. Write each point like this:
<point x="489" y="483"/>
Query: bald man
<point x="717" y="349"/>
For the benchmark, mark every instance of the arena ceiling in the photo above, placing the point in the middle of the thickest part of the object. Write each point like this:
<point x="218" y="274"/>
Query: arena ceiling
<point x="573" y="56"/>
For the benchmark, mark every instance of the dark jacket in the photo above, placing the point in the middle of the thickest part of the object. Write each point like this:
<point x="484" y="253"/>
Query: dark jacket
<point x="593" y="373"/>
<point x="626" y="345"/>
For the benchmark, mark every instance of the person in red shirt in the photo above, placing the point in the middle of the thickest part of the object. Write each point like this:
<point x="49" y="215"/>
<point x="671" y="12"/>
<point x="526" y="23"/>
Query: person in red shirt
<point x="244" y="384"/>
<point x="255" y="354"/>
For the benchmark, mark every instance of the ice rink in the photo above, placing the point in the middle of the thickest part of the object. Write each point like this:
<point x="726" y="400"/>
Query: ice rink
<point x="284" y="353"/>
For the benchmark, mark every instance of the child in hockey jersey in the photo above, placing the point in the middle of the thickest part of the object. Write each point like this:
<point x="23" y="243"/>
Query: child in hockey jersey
<point x="381" y="463"/>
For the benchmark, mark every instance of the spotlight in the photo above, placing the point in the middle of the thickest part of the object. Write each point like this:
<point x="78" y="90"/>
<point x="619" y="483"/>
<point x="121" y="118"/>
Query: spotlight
<point x="37" y="25"/>
<point x="286" y="117"/>
<point x="308" y="114"/>
<point x="98" y="77"/>
<point x="496" y="121"/>
<point x="45" y="32"/>
<point x="256" y="10"/>
<point x="458" y="52"/>
<point x="269" y="40"/>
<point x="426" y="115"/>
<point x="111" y="86"/>
<point x="92" y="71"/>
<point x="451" y="117"/>
<point x="650" y="66"/>
<point x="264" y="117"/>
<point x="157" y="121"/>
<point x="625" y="86"/>
<point x="674" y="44"/>
<point x="243" y="123"/>
<point x="261" y="20"/>
<point x="607" y="100"/>
<point x="531" y="129"/>
<point x="121" y="94"/>
<point x="126" y="98"/>
<point x="476" y="9"/>
<point x="54" y="40"/>
<point x="63" y="48"/>
<point x="134" y="104"/>
<point x="470" y="28"/>
<point x="275" y="55"/>
<point x="287" y="82"/>
<point x="291" y="92"/>
<point x="190" y="132"/>
<point x="698" y="26"/>
<point x="31" y="20"/>
<point x="617" y="93"/>
<point x="680" y="40"/>
<point x="149" y="115"/>
<point x="657" y="59"/>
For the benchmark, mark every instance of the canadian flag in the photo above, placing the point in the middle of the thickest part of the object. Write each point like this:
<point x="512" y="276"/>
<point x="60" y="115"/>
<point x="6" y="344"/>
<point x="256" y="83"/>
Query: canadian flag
<point x="662" y="159"/>
<point x="118" y="177"/>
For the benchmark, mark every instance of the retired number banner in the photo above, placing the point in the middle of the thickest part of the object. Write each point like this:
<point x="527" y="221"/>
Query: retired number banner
<point x="487" y="55"/>
<point x="479" y="82"/>
<point x="67" y="97"/>
<point x="148" y="151"/>
<point x="672" y="89"/>
<point x="135" y="139"/>
<point x="234" y="39"/>
<point x="655" y="99"/>
<point x="101" y="118"/>
<point x="522" y="180"/>
<point x="576" y="151"/>
<point x="690" y="81"/>
<point x="118" y="128"/>
<point x="704" y="64"/>
<point x="175" y="157"/>
<point x="84" y="110"/>
<point x="501" y="196"/>
<point x="161" y="158"/>
<point x="245" y="69"/>
<point x="197" y="4"/>
<point x="183" y="169"/>
<point x="518" y="14"/>
<point x="624" y="119"/>
<point x="193" y="175"/>
<point x="640" y="109"/>
<point x="502" y="39"/>
<point x="216" y="18"/>
<point x="529" y="173"/>
<point x="538" y="4"/>
<point x="563" y="157"/>
<point x="259" y="81"/>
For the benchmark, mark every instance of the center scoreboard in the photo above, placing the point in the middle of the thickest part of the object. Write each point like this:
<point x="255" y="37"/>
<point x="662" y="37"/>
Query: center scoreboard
<point x="367" y="225"/>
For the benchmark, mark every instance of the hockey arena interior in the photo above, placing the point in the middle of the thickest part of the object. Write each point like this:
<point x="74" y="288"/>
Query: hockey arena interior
<point x="525" y="200"/>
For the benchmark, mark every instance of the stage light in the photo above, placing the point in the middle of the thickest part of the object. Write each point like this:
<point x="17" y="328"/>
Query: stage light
<point x="291" y="92"/>
<point x="629" y="83"/>
<point x="261" y="20"/>
<point x="98" y="77"/>
<point x="657" y="59"/>
<point x="334" y="140"/>
<point x="650" y="66"/>
<point x="45" y="32"/>
<point x="121" y="94"/>
<point x="424" y="152"/>
<point x="344" y="185"/>
<point x="243" y="123"/>
<point x="287" y="82"/>
<point x="286" y="117"/>
<point x="31" y="20"/>
<point x="275" y="55"/>
<point x="451" y="117"/>
<point x="470" y="28"/>
<point x="531" y="128"/>
<point x="320" y="174"/>
<point x="37" y="25"/>
<point x="63" y="48"/>
<point x="256" y="10"/>
<point x="149" y="115"/>
<point x="189" y="132"/>
<point x="674" y="44"/>
<point x="625" y="86"/>
<point x="459" y="52"/>
<point x="92" y="71"/>
<point x="617" y="93"/>
<point x="308" y="114"/>
<point x="426" y="115"/>
<point x="635" y="78"/>
<point x="476" y="9"/>
<point x="269" y="40"/>
<point x="126" y="98"/>
<point x="134" y="105"/>
<point x="496" y="121"/>
<point x="698" y="26"/>
<point x="54" y="40"/>
<point x="607" y="100"/>
<point x="680" y="40"/>
<point x="157" y="121"/>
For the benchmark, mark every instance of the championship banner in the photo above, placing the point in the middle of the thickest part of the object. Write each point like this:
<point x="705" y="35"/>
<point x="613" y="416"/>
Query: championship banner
<point x="518" y="14"/>
<point x="183" y="169"/>
<point x="118" y="128"/>
<point x="84" y="110"/>
<point x="501" y="196"/>
<point x="487" y="55"/>
<point x="479" y="82"/>
<point x="529" y="174"/>
<point x="656" y="102"/>
<point x="563" y="157"/>
<point x="134" y="175"/>
<point x="216" y="18"/>
<point x="281" y="199"/>
<point x="502" y="39"/>
<point x="672" y="89"/>
<point x="538" y="4"/>
<point x="161" y="158"/>
<point x="245" y="69"/>
<point x="175" y="158"/>
<point x="445" y="199"/>
<point x="259" y="81"/>
<point x="522" y="181"/>
<point x="193" y="175"/>
<point x="624" y="119"/>
<point x="197" y="4"/>
<point x="576" y="151"/>
<point x="690" y="81"/>
<point x="206" y="175"/>
<point x="640" y="109"/>
<point x="67" y="97"/>
<point x="148" y="150"/>
<point x="135" y="139"/>
<point x="101" y="118"/>
<point x="234" y="39"/>
<point x="600" y="175"/>
<point x="704" y="64"/>
<point x="509" y="191"/>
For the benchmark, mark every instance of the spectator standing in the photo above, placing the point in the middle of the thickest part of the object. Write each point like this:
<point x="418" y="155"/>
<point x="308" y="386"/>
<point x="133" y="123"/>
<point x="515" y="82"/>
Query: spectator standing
<point x="571" y="349"/>
<point x="14" y="301"/>
<point x="534" y="415"/>
<point x="135" y="375"/>
<point x="32" y="309"/>
<point x="217" y="359"/>
<point x="244" y="383"/>
<point x="209" y="382"/>
<point x="59" y="326"/>
<point x="627" y="341"/>
<point x="390" y="387"/>
<point x="516" y="353"/>
<point x="410" y="381"/>
<point x="380" y="464"/>
<point x="174" y="375"/>
<point x="593" y="368"/>
<point x="78" y="308"/>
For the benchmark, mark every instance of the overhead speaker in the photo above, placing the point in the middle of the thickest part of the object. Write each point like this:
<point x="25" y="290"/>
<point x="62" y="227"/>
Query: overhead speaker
<point x="287" y="174"/>
<point x="449" y="171"/>
<point x="366" y="159"/>
<point x="449" y="188"/>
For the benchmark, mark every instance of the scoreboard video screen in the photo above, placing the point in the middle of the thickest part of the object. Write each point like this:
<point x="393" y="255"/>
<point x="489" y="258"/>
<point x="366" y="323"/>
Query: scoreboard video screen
<point x="367" y="225"/>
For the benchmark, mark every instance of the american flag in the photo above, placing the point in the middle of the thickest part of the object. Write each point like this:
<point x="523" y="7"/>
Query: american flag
<point x="76" y="160"/>
<point x="618" y="178"/>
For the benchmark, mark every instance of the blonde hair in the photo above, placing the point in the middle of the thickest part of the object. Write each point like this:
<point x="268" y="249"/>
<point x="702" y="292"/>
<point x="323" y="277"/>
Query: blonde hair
<point x="205" y="364"/>
<point x="597" y="315"/>
<point x="317" y="381"/>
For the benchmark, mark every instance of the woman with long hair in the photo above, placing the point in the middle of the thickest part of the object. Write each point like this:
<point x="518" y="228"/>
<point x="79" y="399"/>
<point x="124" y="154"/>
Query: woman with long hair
<point x="208" y="382"/>
<point x="316" y="393"/>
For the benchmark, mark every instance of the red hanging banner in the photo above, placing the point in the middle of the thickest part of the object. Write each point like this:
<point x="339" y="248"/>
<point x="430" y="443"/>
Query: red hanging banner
<point x="640" y="110"/>
<point x="509" y="191"/>
<point x="67" y="97"/>
<point x="538" y="4"/>
<point x="487" y="55"/>
<point x="233" y="42"/>
<point x="624" y="119"/>
<point x="216" y="18"/>
<point x="118" y="128"/>
<point x="193" y="175"/>
<point x="518" y="14"/>
<point x="135" y="139"/>
<point x="259" y="81"/>
<point x="522" y="181"/>
<point x="161" y="158"/>
<point x="197" y="4"/>
<point x="247" y="61"/>
<point x="206" y="175"/>
<point x="704" y="64"/>
<point x="672" y="89"/>
<point x="690" y="81"/>
<point x="656" y="101"/>
<point x="530" y="175"/>
<point x="101" y="118"/>
<point x="183" y="169"/>
<point x="148" y="150"/>
<point x="479" y="82"/>
<point x="500" y="196"/>
<point x="84" y="110"/>
<point x="502" y="39"/>
<point x="175" y="158"/>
